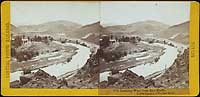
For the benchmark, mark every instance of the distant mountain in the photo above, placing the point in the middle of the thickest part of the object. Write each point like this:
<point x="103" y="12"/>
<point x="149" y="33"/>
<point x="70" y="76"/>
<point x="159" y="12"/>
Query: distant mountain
<point x="179" y="32"/>
<point x="14" y="29"/>
<point x="147" y="26"/>
<point x="141" y="28"/>
<point x="117" y="28"/>
<point x="59" y="26"/>
<point x="91" y="32"/>
<point x="62" y="29"/>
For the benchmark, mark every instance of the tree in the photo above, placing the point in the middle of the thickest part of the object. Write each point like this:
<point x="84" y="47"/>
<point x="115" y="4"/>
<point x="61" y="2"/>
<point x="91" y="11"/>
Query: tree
<point x="133" y="39"/>
<point x="125" y="53"/>
<point x="20" y="57"/>
<point x="13" y="52"/>
<point x="28" y="38"/>
<point x="29" y="55"/>
<point x="100" y="52"/>
<point x="23" y="36"/>
<point x="116" y="39"/>
<point x="138" y="39"/>
<point x="111" y="36"/>
<point x="18" y="41"/>
<point x="77" y="42"/>
<point x="39" y="38"/>
<point x="35" y="38"/>
<point x="51" y="38"/>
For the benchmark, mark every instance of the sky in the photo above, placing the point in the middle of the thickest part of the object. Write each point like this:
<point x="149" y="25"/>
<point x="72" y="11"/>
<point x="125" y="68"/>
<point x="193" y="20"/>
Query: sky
<point x="130" y="12"/>
<point x="27" y="13"/>
<point x="109" y="12"/>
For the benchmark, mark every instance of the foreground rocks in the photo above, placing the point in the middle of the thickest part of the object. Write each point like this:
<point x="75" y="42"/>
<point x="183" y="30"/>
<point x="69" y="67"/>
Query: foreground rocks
<point x="127" y="79"/>
<point x="39" y="79"/>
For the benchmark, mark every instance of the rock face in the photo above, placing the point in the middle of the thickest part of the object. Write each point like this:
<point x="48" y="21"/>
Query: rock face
<point x="40" y="79"/>
<point x="127" y="79"/>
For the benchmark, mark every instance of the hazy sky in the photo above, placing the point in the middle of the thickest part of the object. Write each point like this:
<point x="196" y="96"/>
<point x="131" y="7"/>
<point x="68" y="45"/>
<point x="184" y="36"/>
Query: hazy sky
<point x="23" y="13"/>
<point x="109" y="13"/>
<point x="129" y="12"/>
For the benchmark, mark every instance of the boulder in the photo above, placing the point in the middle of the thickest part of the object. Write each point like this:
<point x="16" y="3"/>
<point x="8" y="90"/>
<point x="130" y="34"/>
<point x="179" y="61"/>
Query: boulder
<point x="64" y="82"/>
<point x="112" y="80"/>
<point x="25" y="78"/>
<point x="114" y="71"/>
<point x="15" y="84"/>
<point x="42" y="73"/>
<point x="129" y="74"/>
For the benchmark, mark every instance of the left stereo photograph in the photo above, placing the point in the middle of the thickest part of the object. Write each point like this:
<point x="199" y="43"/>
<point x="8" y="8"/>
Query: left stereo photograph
<point x="54" y="44"/>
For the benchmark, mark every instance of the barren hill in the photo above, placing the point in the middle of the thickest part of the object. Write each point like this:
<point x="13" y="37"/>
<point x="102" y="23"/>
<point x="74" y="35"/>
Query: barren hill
<point x="53" y="27"/>
<point x="87" y="29"/>
<point x="179" y="33"/>
<point x="14" y="29"/>
<point x="141" y="28"/>
<point x="90" y="32"/>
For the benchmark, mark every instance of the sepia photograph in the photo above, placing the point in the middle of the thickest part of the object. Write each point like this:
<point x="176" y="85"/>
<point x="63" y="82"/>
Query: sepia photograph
<point x="146" y="45"/>
<point x="99" y="44"/>
<point x="54" y="44"/>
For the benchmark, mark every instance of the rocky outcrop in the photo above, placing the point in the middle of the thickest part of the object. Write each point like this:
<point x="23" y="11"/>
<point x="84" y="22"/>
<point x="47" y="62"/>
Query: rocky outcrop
<point x="25" y="78"/>
<point x="127" y="79"/>
<point x="39" y="79"/>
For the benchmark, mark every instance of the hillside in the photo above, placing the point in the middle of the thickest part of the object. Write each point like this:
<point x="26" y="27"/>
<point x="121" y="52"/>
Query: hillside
<point x="140" y="28"/>
<point x="87" y="29"/>
<point x="14" y="29"/>
<point x="178" y="33"/>
<point x="53" y="26"/>
<point x="90" y="32"/>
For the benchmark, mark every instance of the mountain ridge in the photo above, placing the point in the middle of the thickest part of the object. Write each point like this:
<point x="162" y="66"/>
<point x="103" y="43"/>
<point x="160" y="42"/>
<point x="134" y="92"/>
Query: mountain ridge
<point x="52" y="26"/>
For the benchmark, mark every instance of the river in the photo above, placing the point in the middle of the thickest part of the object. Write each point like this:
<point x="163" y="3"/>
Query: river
<point x="78" y="61"/>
